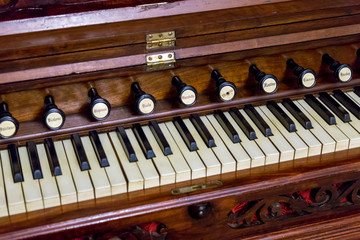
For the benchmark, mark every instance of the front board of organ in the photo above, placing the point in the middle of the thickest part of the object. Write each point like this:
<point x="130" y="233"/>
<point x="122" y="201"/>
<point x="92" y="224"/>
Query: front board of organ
<point x="179" y="119"/>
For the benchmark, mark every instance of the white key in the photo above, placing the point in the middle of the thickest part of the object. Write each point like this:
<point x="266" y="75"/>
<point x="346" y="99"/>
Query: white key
<point x="342" y="142"/>
<point x="285" y="149"/>
<point x="162" y="164"/>
<point x="65" y="181"/>
<point x="114" y="172"/>
<point x="255" y="153"/>
<point x="354" y="96"/>
<point x="49" y="190"/>
<point x="213" y="167"/>
<point x="271" y="153"/>
<point x="82" y="180"/>
<point x="3" y="206"/>
<point x="355" y="122"/>
<point x="97" y="174"/>
<point x="147" y="168"/>
<point x="347" y="129"/>
<point x="311" y="141"/>
<point x="182" y="169"/>
<point x="131" y="170"/>
<point x="228" y="163"/>
<point x="198" y="169"/>
<point x="31" y="187"/>
<point x="327" y="142"/>
<point x="242" y="158"/>
<point x="301" y="149"/>
<point x="14" y="193"/>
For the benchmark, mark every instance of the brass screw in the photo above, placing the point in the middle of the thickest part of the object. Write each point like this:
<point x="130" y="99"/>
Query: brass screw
<point x="150" y="58"/>
<point x="170" y="33"/>
<point x="160" y="57"/>
<point x="160" y="35"/>
<point x="150" y="36"/>
<point x="170" y="55"/>
<point x="160" y="44"/>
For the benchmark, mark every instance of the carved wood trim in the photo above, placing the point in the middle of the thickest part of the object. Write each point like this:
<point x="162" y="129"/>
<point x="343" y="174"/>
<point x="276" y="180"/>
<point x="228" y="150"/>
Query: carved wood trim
<point x="284" y="206"/>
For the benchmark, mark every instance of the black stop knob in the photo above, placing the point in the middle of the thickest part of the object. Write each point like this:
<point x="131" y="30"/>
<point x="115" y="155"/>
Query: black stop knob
<point x="99" y="107"/>
<point x="305" y="77"/>
<point x="200" y="210"/>
<point x="187" y="95"/>
<point x="268" y="83"/>
<point x="342" y="72"/>
<point x="145" y="103"/>
<point x="8" y="124"/>
<point x="54" y="118"/>
<point x="226" y="91"/>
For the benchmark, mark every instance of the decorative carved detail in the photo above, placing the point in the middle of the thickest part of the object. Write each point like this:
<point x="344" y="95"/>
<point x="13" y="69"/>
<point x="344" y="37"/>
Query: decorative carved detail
<point x="295" y="204"/>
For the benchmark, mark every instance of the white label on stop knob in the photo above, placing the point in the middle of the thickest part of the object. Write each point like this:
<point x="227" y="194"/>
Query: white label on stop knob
<point x="100" y="110"/>
<point x="308" y="80"/>
<point x="146" y="106"/>
<point x="7" y="129"/>
<point x="188" y="97"/>
<point x="345" y="74"/>
<point x="54" y="120"/>
<point x="227" y="93"/>
<point x="269" y="85"/>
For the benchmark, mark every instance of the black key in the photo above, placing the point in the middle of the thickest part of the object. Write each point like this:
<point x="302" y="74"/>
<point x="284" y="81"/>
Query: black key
<point x="203" y="131"/>
<point x="15" y="163"/>
<point x="258" y="120"/>
<point x="125" y="142"/>
<point x="281" y="116"/>
<point x="80" y="152"/>
<point x="99" y="150"/>
<point x="226" y="125"/>
<point x="52" y="157"/>
<point x="144" y="142"/>
<point x="297" y="113"/>
<point x="160" y="138"/>
<point x="243" y="124"/>
<point x="347" y="102"/>
<point x="320" y="109"/>
<point x="335" y="107"/>
<point x="185" y="134"/>
<point x="34" y="160"/>
<point x="357" y="91"/>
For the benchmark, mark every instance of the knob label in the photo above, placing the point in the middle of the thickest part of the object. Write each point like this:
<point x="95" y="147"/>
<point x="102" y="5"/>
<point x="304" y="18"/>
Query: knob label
<point x="7" y="128"/>
<point x="308" y="80"/>
<point x="146" y="106"/>
<point x="54" y="120"/>
<point x="227" y="93"/>
<point x="269" y="85"/>
<point x="100" y="110"/>
<point x="188" y="97"/>
<point x="345" y="74"/>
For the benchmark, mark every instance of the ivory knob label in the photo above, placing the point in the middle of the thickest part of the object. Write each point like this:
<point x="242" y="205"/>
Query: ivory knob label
<point x="146" y="106"/>
<point x="100" y="110"/>
<point x="227" y="93"/>
<point x="269" y="85"/>
<point x="345" y="74"/>
<point x="54" y="120"/>
<point x="308" y="80"/>
<point x="188" y="97"/>
<point x="7" y="128"/>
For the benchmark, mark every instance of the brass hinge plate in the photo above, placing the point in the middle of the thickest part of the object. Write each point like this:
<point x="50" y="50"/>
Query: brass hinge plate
<point x="160" y="40"/>
<point x="160" y="61"/>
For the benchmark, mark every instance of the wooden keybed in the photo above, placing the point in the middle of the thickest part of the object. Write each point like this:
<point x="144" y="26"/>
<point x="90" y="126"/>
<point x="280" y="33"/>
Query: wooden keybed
<point x="66" y="60"/>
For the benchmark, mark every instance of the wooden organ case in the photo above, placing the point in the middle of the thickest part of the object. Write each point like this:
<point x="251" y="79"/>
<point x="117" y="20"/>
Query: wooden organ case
<point x="65" y="47"/>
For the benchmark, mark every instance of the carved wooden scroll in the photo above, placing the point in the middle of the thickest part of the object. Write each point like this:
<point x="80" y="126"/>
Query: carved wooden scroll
<point x="291" y="205"/>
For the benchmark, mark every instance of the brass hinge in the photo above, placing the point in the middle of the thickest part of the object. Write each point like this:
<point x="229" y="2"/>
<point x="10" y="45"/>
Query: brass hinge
<point x="160" y="40"/>
<point x="160" y="61"/>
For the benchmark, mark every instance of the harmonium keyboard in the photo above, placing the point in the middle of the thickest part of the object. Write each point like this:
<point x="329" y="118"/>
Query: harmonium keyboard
<point x="192" y="119"/>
